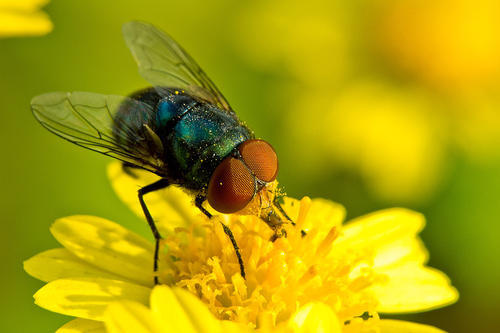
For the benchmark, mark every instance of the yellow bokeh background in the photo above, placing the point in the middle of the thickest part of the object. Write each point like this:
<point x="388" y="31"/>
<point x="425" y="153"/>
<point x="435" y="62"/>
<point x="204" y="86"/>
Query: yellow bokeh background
<point x="371" y="104"/>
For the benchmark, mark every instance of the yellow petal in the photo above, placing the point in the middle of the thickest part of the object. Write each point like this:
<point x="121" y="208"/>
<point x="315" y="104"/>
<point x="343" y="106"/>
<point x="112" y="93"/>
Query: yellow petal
<point x="409" y="249"/>
<point x="59" y="264"/>
<point x="231" y="326"/>
<point x="129" y="317"/>
<point x="400" y="326"/>
<point x="87" y="298"/>
<point x="323" y="215"/>
<point x="170" y="207"/>
<point x="382" y="227"/>
<point x="177" y="310"/>
<point x="108" y="246"/>
<point x="388" y="236"/>
<point x="80" y="325"/>
<point x="168" y="314"/>
<point x="412" y="287"/>
<point x="315" y="317"/>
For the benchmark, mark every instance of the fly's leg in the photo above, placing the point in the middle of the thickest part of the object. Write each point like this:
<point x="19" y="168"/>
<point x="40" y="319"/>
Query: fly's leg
<point x="158" y="185"/>
<point x="229" y="233"/>
<point x="277" y="204"/>
<point x="199" y="203"/>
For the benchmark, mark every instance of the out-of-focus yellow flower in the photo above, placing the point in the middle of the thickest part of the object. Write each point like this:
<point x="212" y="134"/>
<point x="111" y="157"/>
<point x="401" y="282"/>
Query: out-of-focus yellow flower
<point x="447" y="43"/>
<point x="477" y="125"/>
<point x="23" y="17"/>
<point x="309" y="40"/>
<point x="389" y="134"/>
<point x="336" y="277"/>
<point x="385" y="88"/>
<point x="452" y="47"/>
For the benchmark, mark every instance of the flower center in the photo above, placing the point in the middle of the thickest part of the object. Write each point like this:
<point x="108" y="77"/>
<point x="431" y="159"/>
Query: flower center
<point x="281" y="276"/>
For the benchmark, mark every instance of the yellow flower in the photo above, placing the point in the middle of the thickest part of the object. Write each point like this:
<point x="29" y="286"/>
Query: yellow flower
<point x="23" y="17"/>
<point x="193" y="316"/>
<point x="337" y="278"/>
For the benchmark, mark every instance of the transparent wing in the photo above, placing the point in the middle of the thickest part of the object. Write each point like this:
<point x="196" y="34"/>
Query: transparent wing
<point x="163" y="62"/>
<point x="90" y="120"/>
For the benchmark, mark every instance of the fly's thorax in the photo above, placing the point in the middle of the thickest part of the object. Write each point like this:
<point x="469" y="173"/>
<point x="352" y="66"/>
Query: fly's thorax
<point x="201" y="139"/>
<point x="214" y="154"/>
<point x="172" y="107"/>
<point x="189" y="136"/>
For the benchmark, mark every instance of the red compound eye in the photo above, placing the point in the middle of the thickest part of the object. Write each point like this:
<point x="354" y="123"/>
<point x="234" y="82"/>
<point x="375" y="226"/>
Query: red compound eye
<point x="231" y="186"/>
<point x="260" y="158"/>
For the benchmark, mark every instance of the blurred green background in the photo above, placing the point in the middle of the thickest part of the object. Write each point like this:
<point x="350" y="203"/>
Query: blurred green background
<point x="371" y="104"/>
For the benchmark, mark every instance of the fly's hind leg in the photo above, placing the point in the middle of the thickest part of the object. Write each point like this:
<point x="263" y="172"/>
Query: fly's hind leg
<point x="158" y="185"/>
<point x="199" y="203"/>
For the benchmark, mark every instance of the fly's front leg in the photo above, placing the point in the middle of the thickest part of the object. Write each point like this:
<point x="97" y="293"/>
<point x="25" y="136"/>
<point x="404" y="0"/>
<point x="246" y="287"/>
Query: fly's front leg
<point x="277" y="204"/>
<point x="158" y="185"/>
<point x="199" y="203"/>
<point x="274" y="222"/>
